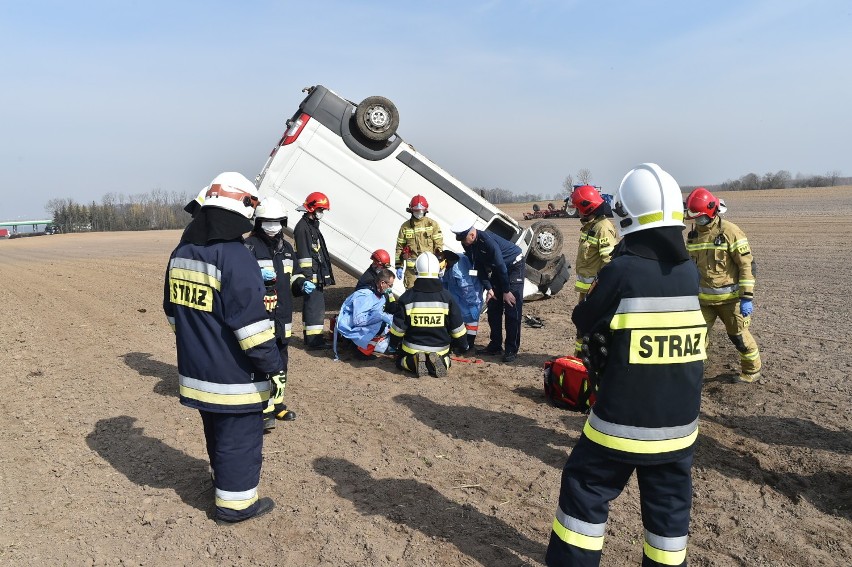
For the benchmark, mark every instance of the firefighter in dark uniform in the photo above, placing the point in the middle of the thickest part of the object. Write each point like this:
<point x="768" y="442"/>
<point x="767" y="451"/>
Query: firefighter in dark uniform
<point x="427" y="322"/>
<point x="275" y="259"/>
<point x="227" y="358"/>
<point x="501" y="268"/>
<point x="379" y="260"/>
<point x="644" y="346"/>
<point x="314" y="263"/>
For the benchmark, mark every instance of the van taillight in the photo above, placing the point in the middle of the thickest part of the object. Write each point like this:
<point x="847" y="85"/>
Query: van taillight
<point x="295" y="129"/>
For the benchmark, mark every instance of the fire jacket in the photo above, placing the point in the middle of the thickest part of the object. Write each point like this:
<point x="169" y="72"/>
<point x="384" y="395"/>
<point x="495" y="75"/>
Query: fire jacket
<point x="277" y="254"/>
<point x="213" y="299"/>
<point x="465" y="288"/>
<point x="428" y="319"/>
<point x="492" y="255"/>
<point x="649" y="391"/>
<point x="362" y="316"/>
<point x="423" y="235"/>
<point x="723" y="256"/>
<point x="597" y="240"/>
<point x="311" y="253"/>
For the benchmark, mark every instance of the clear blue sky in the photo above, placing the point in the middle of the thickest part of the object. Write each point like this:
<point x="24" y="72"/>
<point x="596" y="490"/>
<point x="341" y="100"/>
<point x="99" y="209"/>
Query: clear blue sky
<point x="127" y="97"/>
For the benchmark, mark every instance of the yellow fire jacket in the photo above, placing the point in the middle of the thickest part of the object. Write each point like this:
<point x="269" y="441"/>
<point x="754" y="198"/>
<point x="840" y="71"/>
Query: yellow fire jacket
<point x="724" y="259"/>
<point x="422" y="235"/>
<point x="597" y="240"/>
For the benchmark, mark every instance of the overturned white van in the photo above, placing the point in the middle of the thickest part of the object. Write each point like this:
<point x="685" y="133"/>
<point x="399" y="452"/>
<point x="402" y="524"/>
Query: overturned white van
<point x="352" y="153"/>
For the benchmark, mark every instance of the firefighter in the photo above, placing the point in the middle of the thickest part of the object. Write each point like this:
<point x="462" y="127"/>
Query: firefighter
<point x="227" y="358"/>
<point x="314" y="263"/>
<point x="379" y="260"/>
<point x="460" y="279"/>
<point x="597" y="238"/>
<point x="194" y="205"/>
<point x="723" y="256"/>
<point x="275" y="258"/>
<point x="363" y="318"/>
<point x="501" y="268"/>
<point x="644" y="346"/>
<point x="427" y="322"/>
<point x="416" y="235"/>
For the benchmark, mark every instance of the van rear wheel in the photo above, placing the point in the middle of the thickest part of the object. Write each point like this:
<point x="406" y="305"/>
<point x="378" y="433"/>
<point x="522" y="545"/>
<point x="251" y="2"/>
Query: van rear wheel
<point x="377" y="118"/>
<point x="546" y="241"/>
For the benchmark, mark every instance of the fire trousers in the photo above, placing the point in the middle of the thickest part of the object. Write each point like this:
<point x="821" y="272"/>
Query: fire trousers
<point x="591" y="480"/>
<point x="737" y="328"/>
<point x="313" y="318"/>
<point x="235" y="449"/>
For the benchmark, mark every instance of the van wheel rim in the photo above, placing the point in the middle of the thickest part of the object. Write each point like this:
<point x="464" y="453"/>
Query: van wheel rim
<point x="377" y="118"/>
<point x="546" y="241"/>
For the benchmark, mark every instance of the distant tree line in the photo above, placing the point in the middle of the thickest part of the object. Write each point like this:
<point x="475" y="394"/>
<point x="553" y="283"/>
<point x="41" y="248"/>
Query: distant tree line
<point x="157" y="210"/>
<point x="781" y="179"/>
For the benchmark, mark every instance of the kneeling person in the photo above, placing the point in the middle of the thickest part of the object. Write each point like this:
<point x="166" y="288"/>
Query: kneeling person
<point x="363" y="319"/>
<point x="427" y="322"/>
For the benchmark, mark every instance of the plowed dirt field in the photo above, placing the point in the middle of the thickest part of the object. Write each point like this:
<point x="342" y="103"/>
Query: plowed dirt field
<point x="100" y="465"/>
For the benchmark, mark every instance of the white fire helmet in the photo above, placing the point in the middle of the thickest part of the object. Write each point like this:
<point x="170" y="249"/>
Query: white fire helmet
<point x="427" y="266"/>
<point x="648" y="197"/>
<point x="232" y="191"/>
<point x="271" y="209"/>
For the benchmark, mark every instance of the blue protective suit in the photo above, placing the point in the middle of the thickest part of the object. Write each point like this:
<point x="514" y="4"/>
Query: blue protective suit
<point x="466" y="289"/>
<point x="362" y="316"/>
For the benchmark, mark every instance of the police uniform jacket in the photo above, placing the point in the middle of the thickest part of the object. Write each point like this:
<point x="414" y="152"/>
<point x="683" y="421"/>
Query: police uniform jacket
<point x="421" y="235"/>
<point x="597" y="240"/>
<point x="428" y="319"/>
<point x="311" y="253"/>
<point x="723" y="256"/>
<point x="277" y="254"/>
<point x="492" y="257"/>
<point x="646" y="301"/>
<point x="213" y="299"/>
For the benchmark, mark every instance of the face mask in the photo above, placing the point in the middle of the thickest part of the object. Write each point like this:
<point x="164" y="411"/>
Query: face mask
<point x="271" y="228"/>
<point x="318" y="215"/>
<point x="418" y="214"/>
<point x="703" y="220"/>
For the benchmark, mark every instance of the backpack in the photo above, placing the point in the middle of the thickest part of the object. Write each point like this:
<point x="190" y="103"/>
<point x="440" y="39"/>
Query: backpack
<point x="567" y="385"/>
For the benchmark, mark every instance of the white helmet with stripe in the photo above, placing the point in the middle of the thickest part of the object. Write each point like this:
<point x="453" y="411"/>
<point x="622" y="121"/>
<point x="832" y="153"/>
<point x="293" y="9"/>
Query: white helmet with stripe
<point x="232" y="191"/>
<point x="648" y="197"/>
<point x="427" y="266"/>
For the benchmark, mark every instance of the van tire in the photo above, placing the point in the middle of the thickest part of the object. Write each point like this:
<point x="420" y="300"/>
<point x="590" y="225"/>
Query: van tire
<point x="377" y="118"/>
<point x="572" y="211"/>
<point x="546" y="241"/>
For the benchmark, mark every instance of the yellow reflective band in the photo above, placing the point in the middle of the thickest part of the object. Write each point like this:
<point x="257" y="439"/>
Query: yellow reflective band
<point x="396" y="331"/>
<point x="195" y="277"/>
<point x="670" y="320"/>
<point x="582" y="287"/>
<point x="258" y="338"/>
<point x="576" y="539"/>
<point x="637" y="446"/>
<point x="705" y="246"/>
<point x="718" y="297"/>
<point x="746" y="282"/>
<point x="664" y="557"/>
<point x="224" y="399"/>
<point x="651" y="217"/>
<point x="189" y="294"/>
<point x="750" y="355"/>
<point x="589" y="239"/>
<point x="235" y="504"/>
<point x="606" y="251"/>
<point x="677" y="215"/>
<point x="667" y="346"/>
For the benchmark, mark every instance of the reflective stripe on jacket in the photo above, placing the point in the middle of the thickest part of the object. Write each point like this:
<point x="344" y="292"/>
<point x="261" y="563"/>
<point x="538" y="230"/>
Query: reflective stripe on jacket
<point x="597" y="241"/>
<point x="724" y="259"/>
<point x="420" y="235"/>
<point x="428" y="319"/>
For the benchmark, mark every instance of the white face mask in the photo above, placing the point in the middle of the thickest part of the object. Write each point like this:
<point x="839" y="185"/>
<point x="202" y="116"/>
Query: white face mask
<point x="318" y="214"/>
<point x="418" y="214"/>
<point x="271" y="228"/>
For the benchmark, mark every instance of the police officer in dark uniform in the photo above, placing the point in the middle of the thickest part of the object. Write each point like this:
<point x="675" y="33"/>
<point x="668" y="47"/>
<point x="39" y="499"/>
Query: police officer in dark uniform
<point x="644" y="346"/>
<point x="501" y="268"/>
<point x="275" y="259"/>
<point x="314" y="263"/>
<point x="227" y="358"/>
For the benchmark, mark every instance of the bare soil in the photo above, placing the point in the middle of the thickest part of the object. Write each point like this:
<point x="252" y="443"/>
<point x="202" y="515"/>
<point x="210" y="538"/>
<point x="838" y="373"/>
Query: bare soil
<point x="100" y="465"/>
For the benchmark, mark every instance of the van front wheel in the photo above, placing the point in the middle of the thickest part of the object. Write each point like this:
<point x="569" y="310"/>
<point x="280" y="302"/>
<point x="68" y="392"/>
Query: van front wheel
<point x="377" y="118"/>
<point x="546" y="241"/>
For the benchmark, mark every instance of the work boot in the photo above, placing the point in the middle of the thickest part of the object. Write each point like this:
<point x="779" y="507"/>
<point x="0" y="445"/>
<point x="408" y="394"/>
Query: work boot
<point x="284" y="414"/>
<point x="748" y="378"/>
<point x="491" y="350"/>
<point x="438" y="369"/>
<point x="510" y="357"/>
<point x="268" y="423"/>
<point x="420" y="368"/>
<point x="264" y="506"/>
<point x="318" y="345"/>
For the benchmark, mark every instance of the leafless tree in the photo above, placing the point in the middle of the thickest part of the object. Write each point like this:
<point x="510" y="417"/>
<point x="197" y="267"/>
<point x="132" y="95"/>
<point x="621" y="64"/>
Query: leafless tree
<point x="584" y="176"/>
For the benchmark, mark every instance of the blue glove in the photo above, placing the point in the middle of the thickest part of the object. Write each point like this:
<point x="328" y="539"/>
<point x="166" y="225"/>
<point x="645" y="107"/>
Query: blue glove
<point x="268" y="274"/>
<point x="387" y="318"/>
<point x="746" y="307"/>
<point x="308" y="287"/>
<point x="399" y="273"/>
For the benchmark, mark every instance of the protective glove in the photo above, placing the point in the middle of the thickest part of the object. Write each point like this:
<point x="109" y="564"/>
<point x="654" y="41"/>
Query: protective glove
<point x="270" y="300"/>
<point x="387" y="318"/>
<point x="308" y="287"/>
<point x="746" y="307"/>
<point x="399" y="273"/>
<point x="276" y="397"/>
<point x="594" y="353"/>
<point x="268" y="274"/>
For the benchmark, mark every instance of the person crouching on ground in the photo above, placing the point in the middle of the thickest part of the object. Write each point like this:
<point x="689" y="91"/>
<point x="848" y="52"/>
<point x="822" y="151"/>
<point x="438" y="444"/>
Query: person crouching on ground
<point x="427" y="322"/>
<point x="363" y="319"/>
<point x="462" y="282"/>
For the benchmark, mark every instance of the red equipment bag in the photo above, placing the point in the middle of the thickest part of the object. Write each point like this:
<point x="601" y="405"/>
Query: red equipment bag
<point x="567" y="385"/>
